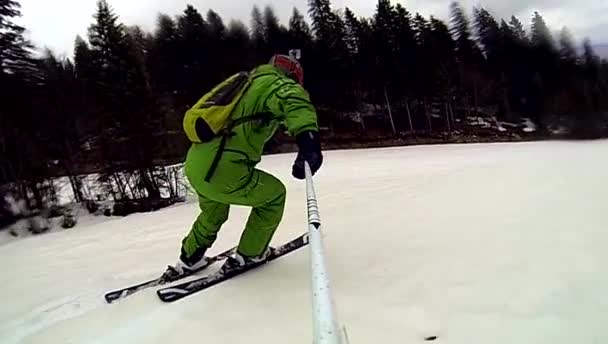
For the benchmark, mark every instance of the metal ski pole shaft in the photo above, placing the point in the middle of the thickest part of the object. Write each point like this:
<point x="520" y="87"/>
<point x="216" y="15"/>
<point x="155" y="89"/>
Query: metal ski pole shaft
<point x="325" y="323"/>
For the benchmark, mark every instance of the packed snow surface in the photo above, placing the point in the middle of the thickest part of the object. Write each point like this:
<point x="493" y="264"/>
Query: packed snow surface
<point x="496" y="243"/>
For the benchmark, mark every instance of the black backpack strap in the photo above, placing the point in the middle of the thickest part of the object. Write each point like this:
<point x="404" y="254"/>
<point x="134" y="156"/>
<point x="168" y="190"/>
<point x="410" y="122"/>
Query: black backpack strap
<point x="266" y="117"/>
<point x="218" y="157"/>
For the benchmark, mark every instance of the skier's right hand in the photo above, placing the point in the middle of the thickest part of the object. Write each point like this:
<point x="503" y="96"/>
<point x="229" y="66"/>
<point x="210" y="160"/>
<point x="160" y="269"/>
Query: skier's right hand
<point x="309" y="149"/>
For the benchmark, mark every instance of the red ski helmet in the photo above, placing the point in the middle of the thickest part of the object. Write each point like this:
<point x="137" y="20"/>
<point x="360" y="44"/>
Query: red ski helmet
<point x="290" y="66"/>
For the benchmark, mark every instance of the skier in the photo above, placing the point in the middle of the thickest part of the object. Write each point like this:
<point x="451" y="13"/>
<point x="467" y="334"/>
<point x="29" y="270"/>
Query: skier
<point x="223" y="173"/>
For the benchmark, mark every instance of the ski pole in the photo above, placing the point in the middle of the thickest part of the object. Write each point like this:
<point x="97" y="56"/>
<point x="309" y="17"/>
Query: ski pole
<point x="325" y="323"/>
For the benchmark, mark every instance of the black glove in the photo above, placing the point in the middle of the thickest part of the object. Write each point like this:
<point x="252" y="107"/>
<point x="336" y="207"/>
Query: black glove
<point x="309" y="149"/>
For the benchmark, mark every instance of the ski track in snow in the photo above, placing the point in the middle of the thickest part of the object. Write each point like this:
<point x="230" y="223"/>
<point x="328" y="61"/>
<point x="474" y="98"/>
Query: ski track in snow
<point x="484" y="243"/>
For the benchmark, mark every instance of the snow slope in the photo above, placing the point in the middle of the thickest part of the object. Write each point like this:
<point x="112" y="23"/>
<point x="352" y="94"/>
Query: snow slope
<point x="499" y="243"/>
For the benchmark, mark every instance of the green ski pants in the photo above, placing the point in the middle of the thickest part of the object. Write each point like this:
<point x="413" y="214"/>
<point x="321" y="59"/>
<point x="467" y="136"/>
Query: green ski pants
<point x="236" y="182"/>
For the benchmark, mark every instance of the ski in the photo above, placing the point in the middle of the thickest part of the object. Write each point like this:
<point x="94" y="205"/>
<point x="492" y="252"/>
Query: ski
<point x="120" y="294"/>
<point x="178" y="292"/>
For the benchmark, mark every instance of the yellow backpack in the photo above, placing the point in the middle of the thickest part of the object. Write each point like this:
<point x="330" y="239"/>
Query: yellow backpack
<point x="210" y="116"/>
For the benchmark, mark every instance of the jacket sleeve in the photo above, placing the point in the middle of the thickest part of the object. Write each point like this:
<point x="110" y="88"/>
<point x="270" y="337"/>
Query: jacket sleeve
<point x="292" y="101"/>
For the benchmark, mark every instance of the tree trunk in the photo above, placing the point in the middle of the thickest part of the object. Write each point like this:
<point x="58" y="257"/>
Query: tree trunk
<point x="121" y="186"/>
<point x="52" y="191"/>
<point x="428" y="117"/>
<point x="25" y="195"/>
<point x="135" y="193"/>
<point x="148" y="183"/>
<point x="390" y="112"/>
<point x="175" y="174"/>
<point x="76" y="188"/>
<point x="409" y="115"/>
<point x="68" y="165"/>
<point x="447" y="117"/>
<point x="451" y="110"/>
<point x="362" y="118"/>
<point x="475" y="99"/>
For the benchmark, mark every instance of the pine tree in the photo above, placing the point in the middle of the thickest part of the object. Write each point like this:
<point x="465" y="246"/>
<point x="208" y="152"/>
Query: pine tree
<point x="421" y="28"/>
<point x="216" y="71"/>
<point x="146" y="112"/>
<point x="353" y="41"/>
<point x="590" y="59"/>
<point x="541" y="36"/>
<point x="194" y="57"/>
<point x="14" y="48"/>
<point x="405" y="33"/>
<point x="545" y="69"/>
<point x="385" y="25"/>
<point x="84" y="71"/>
<point x="588" y="120"/>
<point x="22" y="155"/>
<point x="497" y="67"/>
<point x="126" y="106"/>
<point x="300" y="36"/>
<point x="444" y="66"/>
<point x="60" y="95"/>
<point x="385" y="31"/>
<point x="507" y="38"/>
<point x="82" y="58"/>
<point x="470" y="59"/>
<point x="567" y="50"/>
<point x="257" y="24"/>
<point x="238" y="47"/>
<point x="238" y="33"/>
<point x="518" y="29"/>
<point x="322" y="16"/>
<point x="506" y="30"/>
<point x="328" y="27"/>
<point x="352" y="28"/>
<point x="488" y="32"/>
<point x="591" y="65"/>
<point x="258" y="34"/>
<point x="217" y="29"/>
<point x="275" y="34"/>
<point x="330" y="57"/>
<point x="425" y="67"/>
<point x="106" y="35"/>
<point x="164" y="61"/>
<point x="508" y="44"/>
<point x="519" y="65"/>
<point x="108" y="54"/>
<point x="442" y="44"/>
<point x="191" y="26"/>
<point x="467" y="49"/>
<point x="405" y="55"/>
<point x="360" y="45"/>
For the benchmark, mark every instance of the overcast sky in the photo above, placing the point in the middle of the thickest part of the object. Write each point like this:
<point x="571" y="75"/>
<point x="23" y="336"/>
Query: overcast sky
<point x="56" y="23"/>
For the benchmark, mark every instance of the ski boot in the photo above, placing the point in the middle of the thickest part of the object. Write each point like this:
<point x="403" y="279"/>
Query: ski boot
<point x="238" y="261"/>
<point x="186" y="266"/>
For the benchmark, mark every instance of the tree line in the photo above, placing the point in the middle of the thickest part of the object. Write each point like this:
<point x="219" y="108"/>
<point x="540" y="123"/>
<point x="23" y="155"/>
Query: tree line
<point x="115" y="107"/>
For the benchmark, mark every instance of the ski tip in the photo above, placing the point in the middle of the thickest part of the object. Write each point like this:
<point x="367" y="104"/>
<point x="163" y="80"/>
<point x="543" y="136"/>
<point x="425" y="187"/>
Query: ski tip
<point x="168" y="297"/>
<point x="111" y="297"/>
<point x="171" y="294"/>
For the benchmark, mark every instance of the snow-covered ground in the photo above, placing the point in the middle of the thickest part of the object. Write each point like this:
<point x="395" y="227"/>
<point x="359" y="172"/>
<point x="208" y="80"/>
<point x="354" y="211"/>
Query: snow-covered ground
<point x="499" y="243"/>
